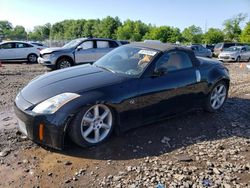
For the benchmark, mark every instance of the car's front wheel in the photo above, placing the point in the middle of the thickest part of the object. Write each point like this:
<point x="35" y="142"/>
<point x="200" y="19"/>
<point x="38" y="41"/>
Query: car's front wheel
<point x="32" y="58"/>
<point x="92" y="125"/>
<point x="216" y="97"/>
<point x="64" y="63"/>
<point x="238" y="59"/>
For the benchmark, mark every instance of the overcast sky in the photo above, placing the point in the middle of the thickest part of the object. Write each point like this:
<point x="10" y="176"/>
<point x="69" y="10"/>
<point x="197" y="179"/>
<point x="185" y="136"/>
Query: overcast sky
<point x="177" y="13"/>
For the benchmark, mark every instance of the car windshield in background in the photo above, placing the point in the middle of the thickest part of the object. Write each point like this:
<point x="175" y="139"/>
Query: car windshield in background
<point x="72" y="43"/>
<point x="127" y="60"/>
<point x="232" y="49"/>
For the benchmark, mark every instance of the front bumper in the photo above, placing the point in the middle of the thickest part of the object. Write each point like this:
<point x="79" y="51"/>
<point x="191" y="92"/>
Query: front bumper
<point x="47" y="62"/>
<point x="226" y="58"/>
<point x="53" y="128"/>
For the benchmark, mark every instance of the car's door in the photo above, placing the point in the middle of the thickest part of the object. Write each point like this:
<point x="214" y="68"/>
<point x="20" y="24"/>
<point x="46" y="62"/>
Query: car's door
<point x="8" y="51"/>
<point x="245" y="53"/>
<point x="102" y="48"/>
<point x="172" y="92"/>
<point x="85" y="52"/>
<point x="22" y="50"/>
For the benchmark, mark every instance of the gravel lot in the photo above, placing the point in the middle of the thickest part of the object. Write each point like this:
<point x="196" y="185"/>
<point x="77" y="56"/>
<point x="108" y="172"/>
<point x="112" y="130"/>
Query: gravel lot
<point x="196" y="149"/>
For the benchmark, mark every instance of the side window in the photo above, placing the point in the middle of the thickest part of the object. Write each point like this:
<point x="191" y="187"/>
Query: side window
<point x="87" y="45"/>
<point x="22" y="45"/>
<point x="8" y="46"/>
<point x="113" y="44"/>
<point x="102" y="44"/>
<point x="175" y="61"/>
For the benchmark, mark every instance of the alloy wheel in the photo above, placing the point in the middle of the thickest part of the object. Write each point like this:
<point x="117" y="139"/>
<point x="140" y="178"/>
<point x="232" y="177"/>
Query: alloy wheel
<point x="32" y="58"/>
<point x="96" y="123"/>
<point x="64" y="64"/>
<point x="218" y="96"/>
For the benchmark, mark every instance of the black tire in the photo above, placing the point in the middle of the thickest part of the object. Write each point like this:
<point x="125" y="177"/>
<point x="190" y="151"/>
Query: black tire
<point x="208" y="106"/>
<point x="75" y="129"/>
<point x="237" y="59"/>
<point x="32" y="58"/>
<point x="64" y="63"/>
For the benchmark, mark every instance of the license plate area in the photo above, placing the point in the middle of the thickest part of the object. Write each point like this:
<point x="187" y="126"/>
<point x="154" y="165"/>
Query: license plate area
<point x="22" y="126"/>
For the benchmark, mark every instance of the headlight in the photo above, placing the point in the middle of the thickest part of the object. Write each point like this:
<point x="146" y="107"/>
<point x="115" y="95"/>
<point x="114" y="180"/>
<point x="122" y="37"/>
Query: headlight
<point x="48" y="56"/>
<point x="52" y="104"/>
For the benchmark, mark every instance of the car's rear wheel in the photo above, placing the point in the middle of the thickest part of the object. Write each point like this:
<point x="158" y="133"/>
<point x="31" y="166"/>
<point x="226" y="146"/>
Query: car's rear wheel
<point x="216" y="97"/>
<point x="64" y="63"/>
<point x="92" y="125"/>
<point x="32" y="58"/>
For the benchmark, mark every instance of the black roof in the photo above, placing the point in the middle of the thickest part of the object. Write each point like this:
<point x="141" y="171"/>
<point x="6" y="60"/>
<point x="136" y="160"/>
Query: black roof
<point x="158" y="46"/>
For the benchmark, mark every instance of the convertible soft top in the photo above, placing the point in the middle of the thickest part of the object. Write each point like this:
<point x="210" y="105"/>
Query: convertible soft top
<point x="164" y="47"/>
<point x="159" y="46"/>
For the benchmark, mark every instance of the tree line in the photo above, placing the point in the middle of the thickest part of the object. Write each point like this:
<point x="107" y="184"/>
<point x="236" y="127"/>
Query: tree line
<point x="112" y="27"/>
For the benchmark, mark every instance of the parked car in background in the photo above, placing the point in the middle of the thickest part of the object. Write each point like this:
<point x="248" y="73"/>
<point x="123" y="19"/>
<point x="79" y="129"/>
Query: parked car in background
<point x="235" y="53"/>
<point x="133" y="85"/>
<point x="123" y="42"/>
<point x="210" y="47"/>
<point x="201" y="51"/>
<point x="41" y="46"/>
<point x="78" y="51"/>
<point x="13" y="51"/>
<point x="219" y="47"/>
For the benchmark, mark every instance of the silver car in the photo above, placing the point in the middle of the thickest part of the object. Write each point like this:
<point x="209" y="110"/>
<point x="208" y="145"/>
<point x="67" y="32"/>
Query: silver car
<point x="201" y="51"/>
<point x="78" y="51"/>
<point x="235" y="53"/>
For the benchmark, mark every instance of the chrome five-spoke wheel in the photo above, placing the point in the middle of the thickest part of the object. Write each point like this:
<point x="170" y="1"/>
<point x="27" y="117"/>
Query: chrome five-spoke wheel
<point x="96" y="123"/>
<point x="92" y="125"/>
<point x="218" y="96"/>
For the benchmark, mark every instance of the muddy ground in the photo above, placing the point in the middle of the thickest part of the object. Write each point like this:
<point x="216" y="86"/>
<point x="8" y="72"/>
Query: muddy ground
<point x="196" y="149"/>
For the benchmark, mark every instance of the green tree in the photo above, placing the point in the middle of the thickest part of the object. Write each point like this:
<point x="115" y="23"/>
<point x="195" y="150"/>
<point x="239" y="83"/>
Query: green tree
<point x="40" y="32"/>
<point x="18" y="33"/>
<point x="213" y="36"/>
<point x="107" y="27"/>
<point x="245" y="35"/>
<point x="164" y="34"/>
<point x="232" y="28"/>
<point x="5" y="28"/>
<point x="192" y="34"/>
<point x="132" y="30"/>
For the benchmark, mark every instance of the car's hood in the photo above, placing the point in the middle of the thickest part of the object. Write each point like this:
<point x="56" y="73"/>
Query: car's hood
<point x="50" y="50"/>
<point x="75" y="80"/>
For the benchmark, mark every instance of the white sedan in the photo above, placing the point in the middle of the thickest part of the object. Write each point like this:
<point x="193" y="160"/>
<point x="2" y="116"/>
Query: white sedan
<point x="19" y="51"/>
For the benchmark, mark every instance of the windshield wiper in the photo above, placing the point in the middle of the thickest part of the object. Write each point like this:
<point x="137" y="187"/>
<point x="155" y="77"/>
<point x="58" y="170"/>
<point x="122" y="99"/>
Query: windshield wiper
<point x="106" y="68"/>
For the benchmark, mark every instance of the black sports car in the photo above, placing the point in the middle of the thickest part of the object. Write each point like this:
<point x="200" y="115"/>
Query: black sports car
<point x="133" y="85"/>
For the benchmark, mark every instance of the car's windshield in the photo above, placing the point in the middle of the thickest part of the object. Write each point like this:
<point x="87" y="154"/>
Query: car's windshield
<point x="233" y="48"/>
<point x="127" y="60"/>
<point x="72" y="43"/>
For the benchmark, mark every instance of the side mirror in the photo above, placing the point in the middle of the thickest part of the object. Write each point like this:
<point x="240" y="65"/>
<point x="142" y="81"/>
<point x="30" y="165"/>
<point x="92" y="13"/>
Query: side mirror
<point x="78" y="48"/>
<point x="160" y="71"/>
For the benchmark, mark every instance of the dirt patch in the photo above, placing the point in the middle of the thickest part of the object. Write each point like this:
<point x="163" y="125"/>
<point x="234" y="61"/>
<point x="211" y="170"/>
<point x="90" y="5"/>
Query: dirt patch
<point x="196" y="149"/>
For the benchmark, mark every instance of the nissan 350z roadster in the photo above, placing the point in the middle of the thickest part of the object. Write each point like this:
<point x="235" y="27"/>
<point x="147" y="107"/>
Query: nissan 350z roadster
<point x="133" y="85"/>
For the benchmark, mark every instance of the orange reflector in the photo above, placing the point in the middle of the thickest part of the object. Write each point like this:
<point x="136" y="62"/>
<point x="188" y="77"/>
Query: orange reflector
<point x="41" y="131"/>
